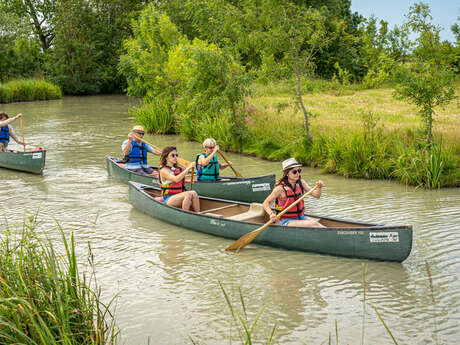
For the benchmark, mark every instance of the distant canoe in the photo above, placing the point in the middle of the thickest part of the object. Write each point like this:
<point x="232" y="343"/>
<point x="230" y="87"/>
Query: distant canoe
<point x="232" y="220"/>
<point x="248" y="189"/>
<point x="32" y="161"/>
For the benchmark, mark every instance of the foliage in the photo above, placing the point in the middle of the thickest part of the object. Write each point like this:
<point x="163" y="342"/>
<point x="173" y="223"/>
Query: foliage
<point x="43" y="298"/>
<point x="156" y="116"/>
<point x="28" y="90"/>
<point x="427" y="82"/>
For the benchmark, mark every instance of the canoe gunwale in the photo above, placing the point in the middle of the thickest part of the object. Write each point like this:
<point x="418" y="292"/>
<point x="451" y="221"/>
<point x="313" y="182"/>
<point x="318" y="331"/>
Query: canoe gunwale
<point x="371" y="226"/>
<point x="114" y="161"/>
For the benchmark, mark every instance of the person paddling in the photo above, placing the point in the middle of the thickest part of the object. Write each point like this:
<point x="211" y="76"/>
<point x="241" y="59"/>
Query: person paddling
<point x="207" y="165"/>
<point x="136" y="152"/>
<point x="289" y="188"/>
<point x="6" y="131"/>
<point x="172" y="182"/>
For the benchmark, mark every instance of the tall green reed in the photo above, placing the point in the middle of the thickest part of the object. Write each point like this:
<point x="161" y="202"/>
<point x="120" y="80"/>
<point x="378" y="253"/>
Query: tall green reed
<point x="156" y="116"/>
<point x="43" y="298"/>
<point x="28" y="90"/>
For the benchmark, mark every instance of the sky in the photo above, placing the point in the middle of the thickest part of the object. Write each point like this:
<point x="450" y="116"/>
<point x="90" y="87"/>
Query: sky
<point x="444" y="12"/>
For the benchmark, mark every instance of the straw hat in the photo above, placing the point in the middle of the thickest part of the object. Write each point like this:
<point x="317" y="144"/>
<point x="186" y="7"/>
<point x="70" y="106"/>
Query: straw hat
<point x="290" y="163"/>
<point x="138" y="128"/>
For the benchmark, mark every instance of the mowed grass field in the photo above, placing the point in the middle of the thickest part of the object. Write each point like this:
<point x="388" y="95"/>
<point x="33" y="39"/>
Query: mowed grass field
<point x="273" y="110"/>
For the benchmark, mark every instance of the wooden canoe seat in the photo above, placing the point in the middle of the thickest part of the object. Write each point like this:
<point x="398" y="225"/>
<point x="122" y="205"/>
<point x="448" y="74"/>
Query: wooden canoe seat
<point x="213" y="214"/>
<point x="255" y="210"/>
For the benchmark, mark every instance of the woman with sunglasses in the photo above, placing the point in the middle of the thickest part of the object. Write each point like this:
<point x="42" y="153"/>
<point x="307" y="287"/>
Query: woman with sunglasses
<point x="207" y="166"/>
<point x="172" y="182"/>
<point x="288" y="189"/>
<point x="135" y="152"/>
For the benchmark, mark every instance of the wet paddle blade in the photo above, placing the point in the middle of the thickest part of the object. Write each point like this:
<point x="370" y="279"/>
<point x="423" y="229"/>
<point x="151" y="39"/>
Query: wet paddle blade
<point x="244" y="240"/>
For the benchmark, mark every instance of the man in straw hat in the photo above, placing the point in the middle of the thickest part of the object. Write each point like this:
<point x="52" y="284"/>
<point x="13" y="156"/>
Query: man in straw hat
<point x="289" y="188"/>
<point x="135" y="152"/>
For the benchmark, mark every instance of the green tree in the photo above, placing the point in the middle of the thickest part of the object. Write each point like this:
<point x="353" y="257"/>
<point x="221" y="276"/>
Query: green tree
<point x="427" y="81"/>
<point x="39" y="13"/>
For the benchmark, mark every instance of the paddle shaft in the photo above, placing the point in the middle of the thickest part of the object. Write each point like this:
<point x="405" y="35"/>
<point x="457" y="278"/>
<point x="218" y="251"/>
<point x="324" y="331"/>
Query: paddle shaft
<point x="246" y="239"/>
<point x="22" y="133"/>
<point x="181" y="161"/>
<point x="237" y="174"/>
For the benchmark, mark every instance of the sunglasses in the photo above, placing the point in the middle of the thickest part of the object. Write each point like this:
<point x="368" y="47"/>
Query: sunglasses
<point x="210" y="147"/>
<point x="296" y="171"/>
<point x="174" y="155"/>
<point x="139" y="133"/>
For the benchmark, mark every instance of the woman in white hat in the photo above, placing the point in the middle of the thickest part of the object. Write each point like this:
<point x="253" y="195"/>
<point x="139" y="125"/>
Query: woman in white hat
<point x="288" y="189"/>
<point x="136" y="150"/>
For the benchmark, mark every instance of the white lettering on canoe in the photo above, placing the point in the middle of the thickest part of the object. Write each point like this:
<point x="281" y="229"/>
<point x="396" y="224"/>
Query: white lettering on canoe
<point x="383" y="237"/>
<point x="260" y="187"/>
<point x="353" y="232"/>
<point x="37" y="155"/>
<point x="238" y="182"/>
<point x="217" y="222"/>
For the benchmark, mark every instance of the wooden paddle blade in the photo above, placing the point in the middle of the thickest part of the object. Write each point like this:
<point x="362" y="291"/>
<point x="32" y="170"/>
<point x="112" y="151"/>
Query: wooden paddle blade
<point x="237" y="174"/>
<point x="244" y="240"/>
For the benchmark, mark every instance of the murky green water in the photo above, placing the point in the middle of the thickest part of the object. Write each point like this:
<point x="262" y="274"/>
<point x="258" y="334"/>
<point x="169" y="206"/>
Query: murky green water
<point x="167" y="278"/>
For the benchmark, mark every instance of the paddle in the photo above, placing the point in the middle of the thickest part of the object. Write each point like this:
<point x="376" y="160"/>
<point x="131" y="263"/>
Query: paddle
<point x="181" y="161"/>
<point x="237" y="174"/>
<point x="191" y="180"/>
<point x="22" y="133"/>
<point x="244" y="240"/>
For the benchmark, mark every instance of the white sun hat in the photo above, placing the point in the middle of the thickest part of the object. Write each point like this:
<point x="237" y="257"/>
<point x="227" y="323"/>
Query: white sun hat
<point x="290" y="163"/>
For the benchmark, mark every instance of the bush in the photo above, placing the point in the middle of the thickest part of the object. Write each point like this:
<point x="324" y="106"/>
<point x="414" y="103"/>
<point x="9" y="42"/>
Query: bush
<point x="28" y="90"/>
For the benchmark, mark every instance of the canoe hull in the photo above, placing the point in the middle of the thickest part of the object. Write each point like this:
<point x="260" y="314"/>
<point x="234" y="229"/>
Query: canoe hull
<point x="31" y="162"/>
<point x="375" y="242"/>
<point x="251" y="189"/>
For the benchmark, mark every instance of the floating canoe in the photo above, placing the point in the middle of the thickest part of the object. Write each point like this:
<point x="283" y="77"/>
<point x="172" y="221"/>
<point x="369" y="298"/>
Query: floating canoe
<point x="248" y="189"/>
<point x="232" y="219"/>
<point x="32" y="162"/>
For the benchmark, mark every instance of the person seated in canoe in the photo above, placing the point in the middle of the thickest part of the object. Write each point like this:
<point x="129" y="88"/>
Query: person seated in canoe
<point x="172" y="182"/>
<point x="207" y="166"/>
<point x="6" y="131"/>
<point x="289" y="188"/>
<point x="135" y="152"/>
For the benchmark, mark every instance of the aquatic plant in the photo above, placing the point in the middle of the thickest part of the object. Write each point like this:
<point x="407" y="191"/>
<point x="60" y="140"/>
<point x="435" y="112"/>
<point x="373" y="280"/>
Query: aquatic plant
<point x="43" y="298"/>
<point x="28" y="90"/>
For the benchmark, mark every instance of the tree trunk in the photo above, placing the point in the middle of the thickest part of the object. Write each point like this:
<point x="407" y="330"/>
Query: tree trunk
<point x="299" y="95"/>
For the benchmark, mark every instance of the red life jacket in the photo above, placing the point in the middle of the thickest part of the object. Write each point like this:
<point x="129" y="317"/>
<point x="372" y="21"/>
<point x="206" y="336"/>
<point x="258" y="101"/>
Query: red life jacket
<point x="291" y="196"/>
<point x="173" y="187"/>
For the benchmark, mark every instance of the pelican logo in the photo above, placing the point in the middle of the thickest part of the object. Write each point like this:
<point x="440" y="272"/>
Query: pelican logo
<point x="383" y="237"/>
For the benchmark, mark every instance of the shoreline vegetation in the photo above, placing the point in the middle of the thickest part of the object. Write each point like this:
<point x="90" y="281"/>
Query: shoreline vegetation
<point x="44" y="299"/>
<point x="28" y="90"/>
<point x="357" y="132"/>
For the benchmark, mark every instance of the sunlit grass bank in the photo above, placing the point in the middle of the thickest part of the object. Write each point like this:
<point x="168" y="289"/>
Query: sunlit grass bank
<point x="28" y="90"/>
<point x="43" y="298"/>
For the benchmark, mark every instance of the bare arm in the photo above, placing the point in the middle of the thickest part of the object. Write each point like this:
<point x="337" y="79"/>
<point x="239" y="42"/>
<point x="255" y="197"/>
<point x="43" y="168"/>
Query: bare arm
<point x="15" y="137"/>
<point x="8" y="121"/>
<point x="317" y="192"/>
<point x="202" y="160"/>
<point x="277" y="191"/>
<point x="166" y="175"/>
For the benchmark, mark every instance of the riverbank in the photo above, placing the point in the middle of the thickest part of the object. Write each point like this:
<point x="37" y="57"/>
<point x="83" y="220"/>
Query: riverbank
<point x="356" y="132"/>
<point x="28" y="90"/>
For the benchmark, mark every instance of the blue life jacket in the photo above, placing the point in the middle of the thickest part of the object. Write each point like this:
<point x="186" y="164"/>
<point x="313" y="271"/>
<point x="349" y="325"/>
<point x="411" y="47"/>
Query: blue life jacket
<point x="208" y="172"/>
<point x="5" y="134"/>
<point x="138" y="153"/>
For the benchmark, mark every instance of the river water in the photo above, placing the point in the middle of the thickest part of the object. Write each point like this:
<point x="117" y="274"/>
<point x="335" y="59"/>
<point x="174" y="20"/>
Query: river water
<point x="167" y="279"/>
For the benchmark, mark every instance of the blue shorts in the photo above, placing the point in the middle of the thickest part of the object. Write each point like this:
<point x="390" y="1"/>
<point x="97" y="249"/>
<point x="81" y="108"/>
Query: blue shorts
<point x="166" y="197"/>
<point x="285" y="221"/>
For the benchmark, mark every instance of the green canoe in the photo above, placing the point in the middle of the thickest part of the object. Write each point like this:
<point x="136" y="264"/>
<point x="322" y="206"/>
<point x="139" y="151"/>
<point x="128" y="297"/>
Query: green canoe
<point x="231" y="219"/>
<point x="32" y="162"/>
<point x="248" y="189"/>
